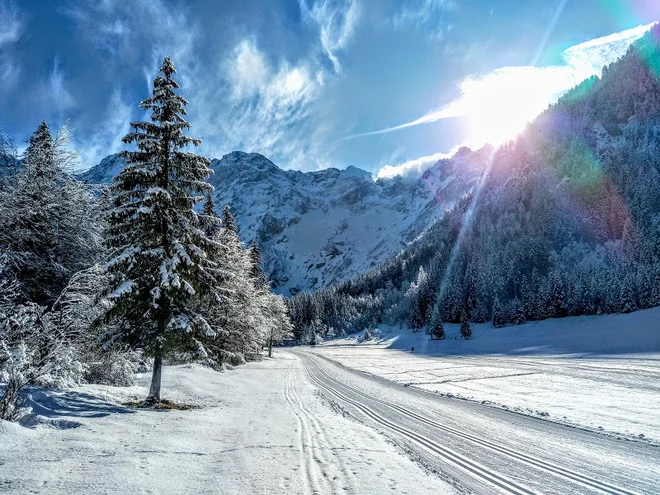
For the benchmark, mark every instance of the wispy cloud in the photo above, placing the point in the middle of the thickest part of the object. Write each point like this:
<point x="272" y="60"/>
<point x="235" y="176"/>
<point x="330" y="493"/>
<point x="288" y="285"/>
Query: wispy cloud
<point x="106" y="136"/>
<point x="122" y="30"/>
<point x="130" y="35"/>
<point x="243" y="98"/>
<point x="55" y="92"/>
<point x="528" y="90"/>
<point x="12" y="26"/>
<point x="427" y="15"/>
<point x="587" y="59"/>
<point x="336" y="21"/>
<point x="266" y="106"/>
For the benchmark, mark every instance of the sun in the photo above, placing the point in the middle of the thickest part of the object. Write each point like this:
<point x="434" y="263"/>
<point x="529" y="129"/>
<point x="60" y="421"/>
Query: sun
<point x="499" y="106"/>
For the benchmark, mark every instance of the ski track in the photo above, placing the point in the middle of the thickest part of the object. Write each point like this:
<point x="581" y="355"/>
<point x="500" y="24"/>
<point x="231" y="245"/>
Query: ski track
<point x="338" y="389"/>
<point x="320" y="473"/>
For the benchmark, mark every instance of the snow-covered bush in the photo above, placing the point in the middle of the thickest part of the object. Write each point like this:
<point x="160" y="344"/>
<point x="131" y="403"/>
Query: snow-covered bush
<point x="112" y="368"/>
<point x="33" y="350"/>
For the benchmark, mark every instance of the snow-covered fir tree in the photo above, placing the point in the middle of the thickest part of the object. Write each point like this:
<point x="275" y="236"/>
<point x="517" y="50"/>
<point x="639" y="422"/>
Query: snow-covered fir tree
<point x="466" y="331"/>
<point x="158" y="263"/>
<point x="437" y="328"/>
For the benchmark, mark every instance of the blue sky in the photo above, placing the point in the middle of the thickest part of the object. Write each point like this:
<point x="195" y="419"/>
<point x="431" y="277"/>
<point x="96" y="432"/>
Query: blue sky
<point x="385" y="85"/>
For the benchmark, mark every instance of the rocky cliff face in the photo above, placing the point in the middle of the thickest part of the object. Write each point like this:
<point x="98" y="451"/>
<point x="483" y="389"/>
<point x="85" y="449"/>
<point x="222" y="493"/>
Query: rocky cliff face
<point x="318" y="228"/>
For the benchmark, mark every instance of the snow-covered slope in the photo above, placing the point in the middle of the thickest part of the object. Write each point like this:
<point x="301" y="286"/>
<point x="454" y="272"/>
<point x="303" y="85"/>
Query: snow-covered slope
<point x="593" y="372"/>
<point x="104" y="172"/>
<point x="317" y="228"/>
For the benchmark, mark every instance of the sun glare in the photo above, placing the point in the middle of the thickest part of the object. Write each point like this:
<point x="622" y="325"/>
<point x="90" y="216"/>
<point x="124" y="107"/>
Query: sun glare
<point x="499" y="105"/>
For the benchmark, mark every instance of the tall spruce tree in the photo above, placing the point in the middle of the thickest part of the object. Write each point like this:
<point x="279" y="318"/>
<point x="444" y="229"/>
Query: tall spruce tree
<point x="158" y="244"/>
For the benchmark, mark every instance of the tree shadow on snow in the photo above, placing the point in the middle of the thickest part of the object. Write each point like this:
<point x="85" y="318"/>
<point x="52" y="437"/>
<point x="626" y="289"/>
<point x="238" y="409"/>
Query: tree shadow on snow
<point x="59" y="408"/>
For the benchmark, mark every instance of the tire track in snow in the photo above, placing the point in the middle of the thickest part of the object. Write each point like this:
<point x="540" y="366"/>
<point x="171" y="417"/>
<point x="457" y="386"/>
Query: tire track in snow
<point x="322" y="445"/>
<point x="321" y="473"/>
<point x="309" y="484"/>
<point x="491" y="477"/>
<point x="555" y="469"/>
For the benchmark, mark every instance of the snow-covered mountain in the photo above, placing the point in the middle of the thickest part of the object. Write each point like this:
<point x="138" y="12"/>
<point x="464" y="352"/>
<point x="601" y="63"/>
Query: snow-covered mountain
<point x="318" y="228"/>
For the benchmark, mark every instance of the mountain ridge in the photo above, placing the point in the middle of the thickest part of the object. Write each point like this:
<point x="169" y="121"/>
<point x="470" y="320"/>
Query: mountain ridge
<point x="322" y="227"/>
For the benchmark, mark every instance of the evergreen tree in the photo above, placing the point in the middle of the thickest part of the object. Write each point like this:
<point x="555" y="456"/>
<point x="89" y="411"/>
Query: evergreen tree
<point x="517" y="312"/>
<point x="210" y="216"/>
<point x="258" y="274"/>
<point x="628" y="299"/>
<point x="498" y="316"/>
<point x="158" y="263"/>
<point x="466" y="331"/>
<point x="48" y="219"/>
<point x="555" y="303"/>
<point x="437" y="329"/>
<point x="228" y="220"/>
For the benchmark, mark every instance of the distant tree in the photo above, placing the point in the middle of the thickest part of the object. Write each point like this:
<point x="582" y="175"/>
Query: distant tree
<point x="211" y="218"/>
<point x="466" y="331"/>
<point x="228" y="220"/>
<point x="517" y="312"/>
<point x="437" y="329"/>
<point x="498" y="316"/>
<point x="258" y="274"/>
<point x="628" y="299"/>
<point x="556" y="302"/>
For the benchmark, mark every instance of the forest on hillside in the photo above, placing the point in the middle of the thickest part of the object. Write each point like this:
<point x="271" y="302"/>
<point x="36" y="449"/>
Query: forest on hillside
<point x="564" y="221"/>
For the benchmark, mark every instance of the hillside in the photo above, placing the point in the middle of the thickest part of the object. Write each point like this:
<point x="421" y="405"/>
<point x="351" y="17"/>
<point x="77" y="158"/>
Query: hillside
<point x="565" y="221"/>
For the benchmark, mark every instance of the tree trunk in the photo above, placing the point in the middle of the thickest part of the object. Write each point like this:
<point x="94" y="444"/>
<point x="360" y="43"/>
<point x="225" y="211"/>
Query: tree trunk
<point x="154" y="391"/>
<point x="270" y="345"/>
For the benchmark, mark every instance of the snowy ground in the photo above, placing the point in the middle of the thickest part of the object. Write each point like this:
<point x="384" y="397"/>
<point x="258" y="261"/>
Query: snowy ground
<point x="601" y="372"/>
<point x="261" y="428"/>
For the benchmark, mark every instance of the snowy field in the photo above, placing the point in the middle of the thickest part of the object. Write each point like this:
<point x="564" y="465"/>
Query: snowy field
<point x="261" y="428"/>
<point x="601" y="373"/>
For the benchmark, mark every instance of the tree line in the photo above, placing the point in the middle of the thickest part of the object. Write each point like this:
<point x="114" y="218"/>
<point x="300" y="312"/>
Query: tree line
<point x="90" y="275"/>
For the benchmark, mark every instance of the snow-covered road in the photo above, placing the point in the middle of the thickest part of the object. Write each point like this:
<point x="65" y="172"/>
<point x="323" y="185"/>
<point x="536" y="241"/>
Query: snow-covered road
<point x="303" y="424"/>
<point x="261" y="428"/>
<point x="485" y="449"/>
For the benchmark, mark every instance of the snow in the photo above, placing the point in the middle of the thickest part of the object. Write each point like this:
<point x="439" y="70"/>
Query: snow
<point x="261" y="428"/>
<point x="123" y="289"/>
<point x="595" y="372"/>
<point x="318" y="228"/>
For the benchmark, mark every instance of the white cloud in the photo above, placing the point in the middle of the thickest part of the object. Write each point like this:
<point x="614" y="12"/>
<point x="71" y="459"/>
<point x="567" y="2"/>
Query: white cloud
<point x="12" y="25"/>
<point x="106" y="137"/>
<point x="498" y="104"/>
<point x="248" y="70"/>
<point x="412" y="167"/>
<point x="12" y="28"/>
<point x="589" y="58"/>
<point x="336" y="21"/>
<point x="56" y="94"/>
<point x="265" y="107"/>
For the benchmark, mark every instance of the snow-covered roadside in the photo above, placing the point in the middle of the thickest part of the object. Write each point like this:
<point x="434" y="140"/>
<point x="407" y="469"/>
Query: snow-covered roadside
<point x="260" y="428"/>
<point x="596" y="372"/>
